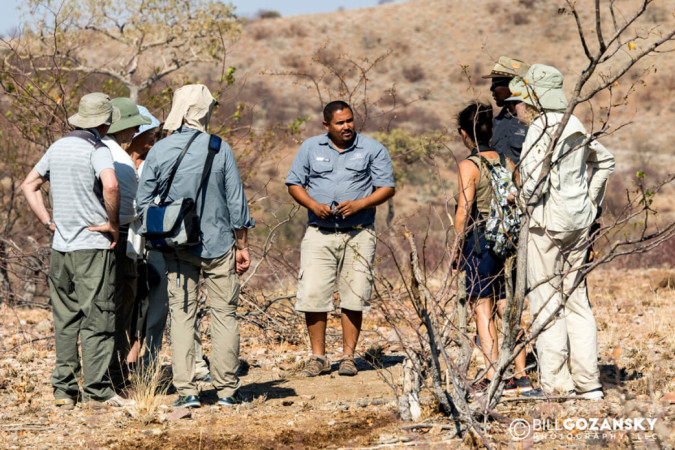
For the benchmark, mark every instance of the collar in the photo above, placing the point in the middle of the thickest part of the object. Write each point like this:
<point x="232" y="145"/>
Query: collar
<point x="93" y="131"/>
<point x="325" y="140"/>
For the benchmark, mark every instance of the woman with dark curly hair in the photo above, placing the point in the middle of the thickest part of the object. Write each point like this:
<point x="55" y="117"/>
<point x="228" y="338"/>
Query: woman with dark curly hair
<point x="484" y="270"/>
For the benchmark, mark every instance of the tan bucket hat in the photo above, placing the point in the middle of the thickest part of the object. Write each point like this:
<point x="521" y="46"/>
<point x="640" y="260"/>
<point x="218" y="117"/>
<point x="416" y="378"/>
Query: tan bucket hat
<point x="540" y="87"/>
<point x="94" y="109"/>
<point x="508" y="67"/>
<point x="130" y="116"/>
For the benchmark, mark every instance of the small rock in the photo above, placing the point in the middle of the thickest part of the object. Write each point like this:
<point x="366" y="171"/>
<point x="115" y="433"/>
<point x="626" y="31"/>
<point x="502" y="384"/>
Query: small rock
<point x="669" y="397"/>
<point x="180" y="413"/>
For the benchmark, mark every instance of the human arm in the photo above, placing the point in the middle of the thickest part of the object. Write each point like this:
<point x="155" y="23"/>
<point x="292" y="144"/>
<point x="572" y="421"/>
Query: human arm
<point x="301" y="196"/>
<point x="242" y="255"/>
<point x="111" y="198"/>
<point x="350" y="207"/>
<point x="467" y="178"/>
<point x="31" y="190"/>
<point x="602" y="164"/>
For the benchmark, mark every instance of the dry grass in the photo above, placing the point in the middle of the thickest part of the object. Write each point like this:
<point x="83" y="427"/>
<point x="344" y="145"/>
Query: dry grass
<point x="148" y="387"/>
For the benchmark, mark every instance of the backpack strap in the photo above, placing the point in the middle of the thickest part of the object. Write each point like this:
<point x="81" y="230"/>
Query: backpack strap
<point x="162" y="198"/>
<point x="214" y="148"/>
<point x="87" y="136"/>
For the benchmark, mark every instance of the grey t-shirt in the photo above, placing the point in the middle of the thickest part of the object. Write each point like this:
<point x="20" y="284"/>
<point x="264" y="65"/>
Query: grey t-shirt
<point x="73" y="167"/>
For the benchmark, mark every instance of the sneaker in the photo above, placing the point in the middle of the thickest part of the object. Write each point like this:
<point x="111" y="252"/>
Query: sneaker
<point x="480" y="388"/>
<point x="232" y="400"/>
<point x="118" y="402"/>
<point x="534" y="394"/>
<point x="316" y="366"/>
<point x="594" y="394"/>
<point x="518" y="386"/>
<point x="187" y="401"/>
<point x="348" y="367"/>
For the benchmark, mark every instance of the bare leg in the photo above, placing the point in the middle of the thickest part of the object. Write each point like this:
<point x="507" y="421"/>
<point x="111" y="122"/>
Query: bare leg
<point x="351" y="328"/>
<point x="487" y="332"/>
<point x="135" y="349"/>
<point x="520" y="358"/>
<point x="316" y="326"/>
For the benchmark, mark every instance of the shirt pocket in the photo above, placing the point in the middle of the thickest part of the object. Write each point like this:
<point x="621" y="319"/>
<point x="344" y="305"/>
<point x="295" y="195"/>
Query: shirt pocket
<point x="357" y="164"/>
<point x="321" y="167"/>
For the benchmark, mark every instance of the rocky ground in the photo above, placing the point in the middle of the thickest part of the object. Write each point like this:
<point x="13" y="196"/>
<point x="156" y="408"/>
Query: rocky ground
<point x="282" y="410"/>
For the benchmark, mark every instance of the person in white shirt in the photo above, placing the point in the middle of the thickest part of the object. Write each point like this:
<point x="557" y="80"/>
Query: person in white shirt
<point x="559" y="228"/>
<point x="121" y="133"/>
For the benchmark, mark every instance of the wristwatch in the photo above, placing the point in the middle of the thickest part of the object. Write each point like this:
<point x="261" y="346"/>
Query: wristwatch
<point x="49" y="224"/>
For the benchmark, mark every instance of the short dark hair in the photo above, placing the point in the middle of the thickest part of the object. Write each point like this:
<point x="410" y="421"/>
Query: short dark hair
<point x="332" y="107"/>
<point x="476" y="117"/>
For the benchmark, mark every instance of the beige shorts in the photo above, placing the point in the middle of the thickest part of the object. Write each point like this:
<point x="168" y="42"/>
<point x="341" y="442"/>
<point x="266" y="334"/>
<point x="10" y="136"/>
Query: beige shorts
<point x="326" y="257"/>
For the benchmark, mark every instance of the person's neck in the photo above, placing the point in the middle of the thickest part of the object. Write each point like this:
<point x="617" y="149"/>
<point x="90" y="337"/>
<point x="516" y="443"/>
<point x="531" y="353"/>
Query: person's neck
<point x="344" y="146"/>
<point x="136" y="155"/>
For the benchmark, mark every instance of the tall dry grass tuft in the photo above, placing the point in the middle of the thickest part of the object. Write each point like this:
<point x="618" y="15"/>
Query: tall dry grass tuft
<point x="148" y="385"/>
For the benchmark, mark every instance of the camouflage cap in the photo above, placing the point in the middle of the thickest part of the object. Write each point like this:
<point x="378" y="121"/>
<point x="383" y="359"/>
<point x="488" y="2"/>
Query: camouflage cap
<point x="508" y="67"/>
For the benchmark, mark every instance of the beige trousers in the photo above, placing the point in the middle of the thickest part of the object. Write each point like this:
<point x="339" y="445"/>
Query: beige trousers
<point x="568" y="346"/>
<point x="222" y="287"/>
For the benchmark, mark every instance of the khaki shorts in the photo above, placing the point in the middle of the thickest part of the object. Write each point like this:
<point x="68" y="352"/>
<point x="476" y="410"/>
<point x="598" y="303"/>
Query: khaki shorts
<point x="326" y="257"/>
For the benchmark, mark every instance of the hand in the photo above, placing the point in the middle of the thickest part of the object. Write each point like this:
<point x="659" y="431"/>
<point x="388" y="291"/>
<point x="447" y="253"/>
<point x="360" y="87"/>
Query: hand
<point x="243" y="261"/>
<point x="108" y="228"/>
<point x="52" y="227"/>
<point x="349" y="207"/>
<point x="511" y="199"/>
<point x="322" y="211"/>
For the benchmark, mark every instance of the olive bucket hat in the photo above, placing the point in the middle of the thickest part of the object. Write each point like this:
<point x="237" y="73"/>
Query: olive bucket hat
<point x="540" y="87"/>
<point x="508" y="68"/>
<point x="94" y="109"/>
<point x="130" y="115"/>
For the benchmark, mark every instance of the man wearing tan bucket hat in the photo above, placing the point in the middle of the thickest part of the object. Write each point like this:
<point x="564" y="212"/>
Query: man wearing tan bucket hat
<point x="559" y="228"/>
<point x="85" y="200"/>
<point x="507" y="133"/>
<point x="120" y="133"/>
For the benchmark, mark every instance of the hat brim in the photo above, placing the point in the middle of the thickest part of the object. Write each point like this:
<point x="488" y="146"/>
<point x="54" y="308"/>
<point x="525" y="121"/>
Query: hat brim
<point x="129" y="122"/>
<point x="94" y="121"/>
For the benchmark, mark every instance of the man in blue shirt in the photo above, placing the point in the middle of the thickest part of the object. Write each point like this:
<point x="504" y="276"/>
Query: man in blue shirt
<point x="340" y="177"/>
<point x="507" y="133"/>
<point x="222" y="254"/>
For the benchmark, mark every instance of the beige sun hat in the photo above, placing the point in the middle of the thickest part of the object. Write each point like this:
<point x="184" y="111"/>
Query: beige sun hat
<point x="540" y="87"/>
<point x="192" y="105"/>
<point x="130" y="116"/>
<point x="94" y="109"/>
<point x="509" y="68"/>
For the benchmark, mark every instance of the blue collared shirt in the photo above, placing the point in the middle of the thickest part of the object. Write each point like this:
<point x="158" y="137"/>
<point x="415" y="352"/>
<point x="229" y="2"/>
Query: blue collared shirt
<point x="332" y="176"/>
<point x="222" y="205"/>
<point x="508" y="135"/>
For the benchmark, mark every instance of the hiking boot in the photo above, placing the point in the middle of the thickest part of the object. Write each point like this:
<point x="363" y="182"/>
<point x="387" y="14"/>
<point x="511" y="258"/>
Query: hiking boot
<point x="594" y="394"/>
<point x="347" y="367"/>
<point x="316" y="366"/>
<point x="480" y="388"/>
<point x="232" y="400"/>
<point x="67" y="403"/>
<point x="518" y="386"/>
<point x="187" y="401"/>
